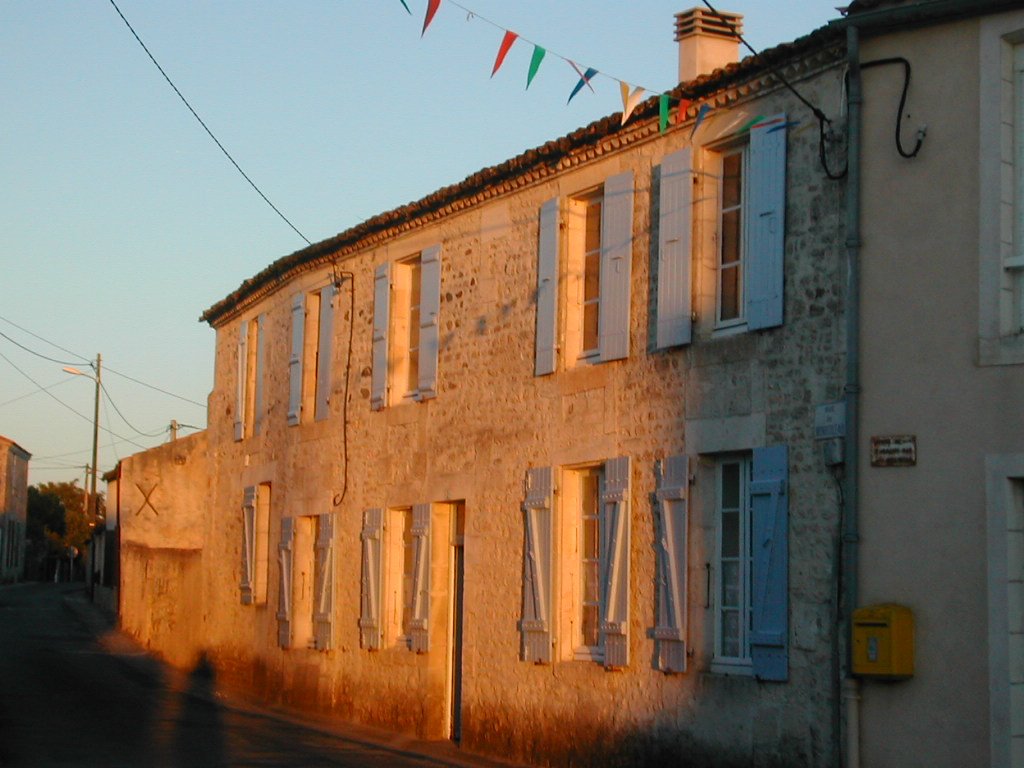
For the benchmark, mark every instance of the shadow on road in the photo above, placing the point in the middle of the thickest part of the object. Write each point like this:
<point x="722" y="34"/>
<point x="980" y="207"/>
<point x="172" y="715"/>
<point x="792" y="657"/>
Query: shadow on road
<point x="199" y="737"/>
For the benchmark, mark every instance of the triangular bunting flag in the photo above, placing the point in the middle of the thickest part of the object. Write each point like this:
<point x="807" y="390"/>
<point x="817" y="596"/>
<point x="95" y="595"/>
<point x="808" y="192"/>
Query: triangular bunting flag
<point x="629" y="100"/>
<point x="750" y="124"/>
<point x="682" y="109"/>
<point x="663" y="110"/>
<point x="538" y="57"/>
<point x="406" y="6"/>
<point x="584" y="80"/>
<point x="701" y="114"/>
<point x="506" y="43"/>
<point x="783" y="126"/>
<point x="432" y="6"/>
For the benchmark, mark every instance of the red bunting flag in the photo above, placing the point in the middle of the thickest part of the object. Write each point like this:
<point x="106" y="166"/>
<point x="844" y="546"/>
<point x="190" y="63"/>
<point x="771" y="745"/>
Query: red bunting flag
<point x="506" y="44"/>
<point x="684" y="106"/>
<point x="432" y="6"/>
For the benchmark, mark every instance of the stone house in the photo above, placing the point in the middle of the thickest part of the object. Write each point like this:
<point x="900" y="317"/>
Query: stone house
<point x="14" y="510"/>
<point x="549" y="462"/>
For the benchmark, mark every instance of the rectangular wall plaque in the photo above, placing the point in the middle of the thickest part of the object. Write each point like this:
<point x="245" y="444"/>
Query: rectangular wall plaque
<point x="894" y="451"/>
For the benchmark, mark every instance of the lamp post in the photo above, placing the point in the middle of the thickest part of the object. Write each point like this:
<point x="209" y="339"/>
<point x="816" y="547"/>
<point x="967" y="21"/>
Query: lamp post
<point x="93" y="499"/>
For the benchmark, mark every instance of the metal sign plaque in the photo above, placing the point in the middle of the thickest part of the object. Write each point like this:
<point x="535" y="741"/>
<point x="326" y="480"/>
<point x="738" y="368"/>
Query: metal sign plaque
<point x="894" y="451"/>
<point x="830" y="420"/>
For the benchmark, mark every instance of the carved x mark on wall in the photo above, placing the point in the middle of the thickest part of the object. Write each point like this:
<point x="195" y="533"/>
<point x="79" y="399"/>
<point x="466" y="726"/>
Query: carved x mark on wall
<point x="145" y="499"/>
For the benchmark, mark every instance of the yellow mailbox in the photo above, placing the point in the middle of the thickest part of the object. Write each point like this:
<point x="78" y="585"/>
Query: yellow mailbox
<point x="883" y="642"/>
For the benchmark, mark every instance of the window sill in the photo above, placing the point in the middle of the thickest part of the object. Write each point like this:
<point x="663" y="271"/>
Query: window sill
<point x="731" y="329"/>
<point x="738" y="668"/>
<point x="595" y="655"/>
<point x="1004" y="350"/>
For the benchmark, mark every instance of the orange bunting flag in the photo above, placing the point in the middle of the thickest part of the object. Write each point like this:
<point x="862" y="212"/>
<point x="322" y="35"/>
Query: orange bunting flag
<point x="684" y="106"/>
<point x="432" y="6"/>
<point x="629" y="100"/>
<point x="506" y="44"/>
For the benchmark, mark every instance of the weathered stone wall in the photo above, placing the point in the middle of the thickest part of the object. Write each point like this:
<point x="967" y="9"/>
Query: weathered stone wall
<point x="13" y="509"/>
<point x="493" y="419"/>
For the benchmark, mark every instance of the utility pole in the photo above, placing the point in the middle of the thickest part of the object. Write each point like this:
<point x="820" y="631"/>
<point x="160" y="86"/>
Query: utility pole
<point x="95" y="442"/>
<point x="174" y="430"/>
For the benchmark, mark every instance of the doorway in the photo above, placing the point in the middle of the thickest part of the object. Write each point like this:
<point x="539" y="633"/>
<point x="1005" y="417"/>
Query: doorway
<point x="458" y="524"/>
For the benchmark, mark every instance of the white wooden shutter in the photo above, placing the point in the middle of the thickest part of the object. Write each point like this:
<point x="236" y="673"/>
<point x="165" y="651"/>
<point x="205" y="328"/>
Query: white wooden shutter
<point x="284" y="583"/>
<point x="430" y="311"/>
<point x="615" y="562"/>
<point x="295" y="361"/>
<point x="372" y="580"/>
<point x="769" y="509"/>
<point x="675" y="225"/>
<point x="324" y="354"/>
<point x="323" y="584"/>
<point x="419" y="626"/>
<point x="257" y="411"/>
<point x="381" y="321"/>
<point x="670" y="631"/>
<point x="248" y="544"/>
<point x="546" y="343"/>
<point x="535" y="625"/>
<point x="766" y="227"/>
<point x="616" y="266"/>
<point x="243" y="338"/>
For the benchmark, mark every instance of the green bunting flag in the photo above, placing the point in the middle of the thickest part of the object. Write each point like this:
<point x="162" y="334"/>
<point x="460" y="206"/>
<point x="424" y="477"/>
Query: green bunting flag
<point x="538" y="57"/>
<point x="663" y="110"/>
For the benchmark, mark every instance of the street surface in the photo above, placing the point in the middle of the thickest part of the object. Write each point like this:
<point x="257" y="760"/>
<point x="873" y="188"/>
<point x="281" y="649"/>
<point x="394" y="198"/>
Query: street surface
<point x="74" y="692"/>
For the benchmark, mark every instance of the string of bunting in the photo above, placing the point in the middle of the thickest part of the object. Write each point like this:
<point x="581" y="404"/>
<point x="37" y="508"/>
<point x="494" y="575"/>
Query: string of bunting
<point x="632" y="95"/>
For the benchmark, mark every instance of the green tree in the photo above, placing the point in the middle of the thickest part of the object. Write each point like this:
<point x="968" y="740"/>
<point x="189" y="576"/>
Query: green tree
<point x="57" y="514"/>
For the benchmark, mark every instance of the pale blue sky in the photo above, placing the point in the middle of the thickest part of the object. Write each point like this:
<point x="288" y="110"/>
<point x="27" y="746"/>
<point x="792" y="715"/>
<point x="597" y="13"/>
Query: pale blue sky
<point x="120" y="220"/>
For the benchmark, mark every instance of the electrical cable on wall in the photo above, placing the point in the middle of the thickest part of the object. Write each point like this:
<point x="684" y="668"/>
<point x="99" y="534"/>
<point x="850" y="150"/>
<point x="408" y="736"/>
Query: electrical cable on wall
<point x="351" y="278"/>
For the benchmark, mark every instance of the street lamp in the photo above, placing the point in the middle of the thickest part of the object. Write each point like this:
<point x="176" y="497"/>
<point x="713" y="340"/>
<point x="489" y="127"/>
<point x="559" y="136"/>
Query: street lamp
<point x="93" y="499"/>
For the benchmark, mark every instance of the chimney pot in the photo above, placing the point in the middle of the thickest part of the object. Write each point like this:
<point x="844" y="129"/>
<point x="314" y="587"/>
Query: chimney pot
<point x="707" y="41"/>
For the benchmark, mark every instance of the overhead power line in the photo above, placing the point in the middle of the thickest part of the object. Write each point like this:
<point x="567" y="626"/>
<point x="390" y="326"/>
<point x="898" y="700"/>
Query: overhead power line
<point x="131" y="426"/>
<point x="206" y="128"/>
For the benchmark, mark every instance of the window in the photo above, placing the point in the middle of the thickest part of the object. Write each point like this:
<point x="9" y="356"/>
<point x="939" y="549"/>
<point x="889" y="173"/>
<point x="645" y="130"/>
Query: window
<point x="395" y="582"/>
<point x="595" y="276"/>
<point x="734" y="561"/>
<point x="595" y="567"/>
<point x="751" y="604"/>
<point x="255" y="544"/>
<point x="249" y="400"/>
<point x="311" y="355"/>
<point x="731" y="239"/>
<point x="399" y="577"/>
<point x="407" y="297"/>
<point x="1013" y="259"/>
<point x="306" y="586"/>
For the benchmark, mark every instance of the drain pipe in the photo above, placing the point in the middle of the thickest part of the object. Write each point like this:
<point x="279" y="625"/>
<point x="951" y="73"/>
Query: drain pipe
<point x="851" y="536"/>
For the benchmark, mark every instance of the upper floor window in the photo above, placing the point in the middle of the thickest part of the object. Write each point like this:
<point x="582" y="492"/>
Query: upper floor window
<point x="407" y="298"/>
<point x="309" y="366"/>
<point x="1013" y="257"/>
<point x="731" y="240"/>
<point x="589" y="275"/>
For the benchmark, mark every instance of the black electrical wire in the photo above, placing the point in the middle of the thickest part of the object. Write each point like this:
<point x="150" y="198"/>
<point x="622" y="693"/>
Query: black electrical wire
<point x="38" y="354"/>
<point x="903" y="102"/>
<point x="108" y="369"/>
<point x="206" y="128"/>
<point x="339" y="498"/>
<point x="125" y="420"/>
<point x="45" y="341"/>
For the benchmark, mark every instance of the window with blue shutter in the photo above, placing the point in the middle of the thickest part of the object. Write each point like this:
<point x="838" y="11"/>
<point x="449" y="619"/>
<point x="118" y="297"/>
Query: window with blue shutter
<point x="616" y="267"/>
<point x="769" y="502"/>
<point x="323" y="583"/>
<point x="419" y="626"/>
<point x="671" y="533"/>
<point x="675" y="225"/>
<point x="615" y="514"/>
<point x="257" y="397"/>
<point x="240" y="392"/>
<point x="324" y="353"/>
<point x="381" y="322"/>
<point x="766" y="224"/>
<point x="546" y="343"/>
<point x="535" y="625"/>
<point x="298" y="314"/>
<point x="248" y="545"/>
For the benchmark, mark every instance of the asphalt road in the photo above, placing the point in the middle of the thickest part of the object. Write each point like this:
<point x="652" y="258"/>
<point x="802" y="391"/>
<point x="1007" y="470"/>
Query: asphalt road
<point x="74" y="692"/>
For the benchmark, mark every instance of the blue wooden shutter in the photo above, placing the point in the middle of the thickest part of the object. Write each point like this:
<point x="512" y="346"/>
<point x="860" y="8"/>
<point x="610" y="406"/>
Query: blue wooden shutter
<point x="257" y="411"/>
<point x="295" y="360"/>
<point x="243" y="356"/>
<point x="381" y="321"/>
<point x="766" y="224"/>
<point x="324" y="354"/>
<point x="323" y="583"/>
<point x="248" y="544"/>
<point x="284" y="584"/>
<point x="675" y="225"/>
<point x="670" y="631"/>
<point x="430" y="310"/>
<point x="769" y="503"/>
<point x="372" y="580"/>
<point x="616" y="267"/>
<point x="615" y="562"/>
<point x="419" y="626"/>
<point x="535" y="624"/>
<point x="546" y="343"/>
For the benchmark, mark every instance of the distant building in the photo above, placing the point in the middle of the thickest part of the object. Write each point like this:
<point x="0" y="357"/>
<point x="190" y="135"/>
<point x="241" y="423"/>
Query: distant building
<point x="14" y="510"/>
<point x="590" y="457"/>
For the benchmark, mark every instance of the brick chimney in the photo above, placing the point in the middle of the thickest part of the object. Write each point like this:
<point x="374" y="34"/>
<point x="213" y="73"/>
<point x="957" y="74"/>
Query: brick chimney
<point x="706" y="41"/>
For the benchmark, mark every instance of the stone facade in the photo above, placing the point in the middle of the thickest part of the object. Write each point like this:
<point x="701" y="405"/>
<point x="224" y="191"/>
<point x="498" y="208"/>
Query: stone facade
<point x="14" y="510"/>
